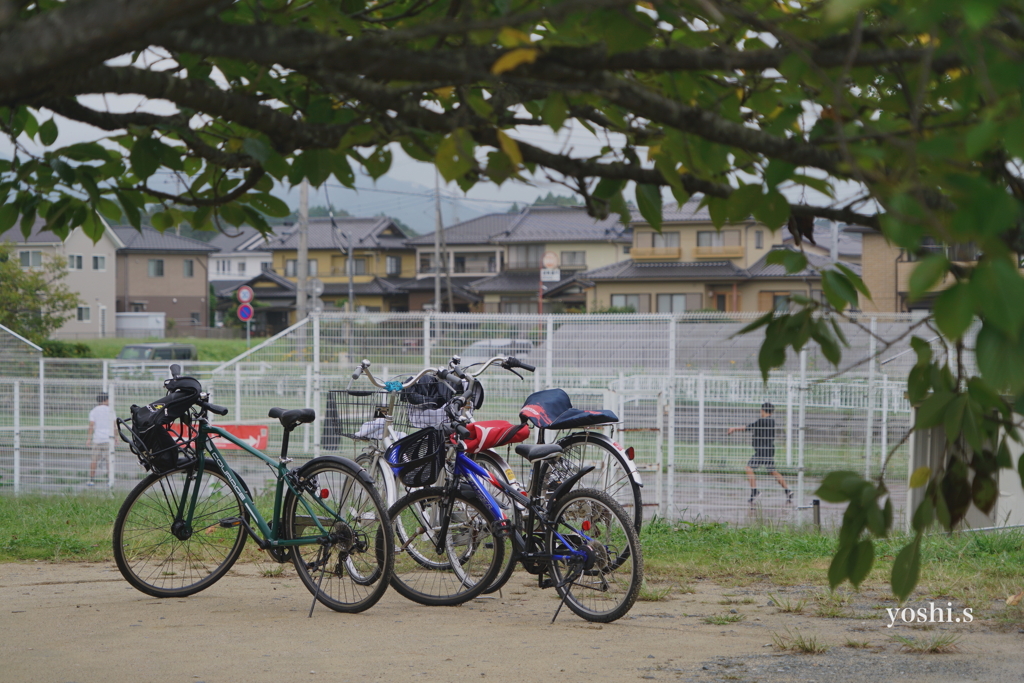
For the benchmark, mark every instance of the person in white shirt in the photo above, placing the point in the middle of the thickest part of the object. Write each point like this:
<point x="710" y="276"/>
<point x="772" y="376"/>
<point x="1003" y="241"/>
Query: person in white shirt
<point x="101" y="431"/>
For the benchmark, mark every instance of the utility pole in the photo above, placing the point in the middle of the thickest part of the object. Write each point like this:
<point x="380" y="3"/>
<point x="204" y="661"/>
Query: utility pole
<point x="348" y="271"/>
<point x="437" y="242"/>
<point x="303" y="256"/>
<point x="834" y="251"/>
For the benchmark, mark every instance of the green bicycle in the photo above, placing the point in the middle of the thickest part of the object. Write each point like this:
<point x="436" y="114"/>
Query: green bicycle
<point x="185" y="524"/>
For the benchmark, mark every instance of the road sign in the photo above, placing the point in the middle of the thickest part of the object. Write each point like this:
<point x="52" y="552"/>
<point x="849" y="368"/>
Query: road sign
<point x="549" y="261"/>
<point x="245" y="313"/>
<point x="255" y="436"/>
<point x="315" y="286"/>
<point x="316" y="304"/>
<point x="245" y="294"/>
<point x="550" y="275"/>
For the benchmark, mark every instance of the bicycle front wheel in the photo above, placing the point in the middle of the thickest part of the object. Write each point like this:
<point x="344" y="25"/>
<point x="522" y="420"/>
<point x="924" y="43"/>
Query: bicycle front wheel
<point x="380" y="471"/>
<point x="493" y="464"/>
<point x="596" y="561"/>
<point x="162" y="554"/>
<point x="469" y="557"/>
<point x="347" y="568"/>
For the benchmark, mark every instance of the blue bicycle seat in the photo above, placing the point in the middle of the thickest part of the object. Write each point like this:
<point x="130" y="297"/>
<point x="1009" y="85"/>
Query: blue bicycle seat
<point x="552" y="409"/>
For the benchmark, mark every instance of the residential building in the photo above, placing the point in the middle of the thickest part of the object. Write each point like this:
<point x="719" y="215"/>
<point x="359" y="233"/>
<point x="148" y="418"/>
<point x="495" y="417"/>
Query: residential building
<point x="239" y="256"/>
<point x="848" y="249"/>
<point x="163" y="272"/>
<point x="381" y="261"/>
<point x="91" y="273"/>
<point x="690" y="265"/>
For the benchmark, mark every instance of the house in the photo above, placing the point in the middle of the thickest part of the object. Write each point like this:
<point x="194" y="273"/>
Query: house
<point x="91" y="274"/>
<point x="690" y="265"/>
<point x="381" y="261"/>
<point x="238" y="256"/>
<point x="508" y="249"/>
<point x="163" y="272"/>
<point x="848" y="248"/>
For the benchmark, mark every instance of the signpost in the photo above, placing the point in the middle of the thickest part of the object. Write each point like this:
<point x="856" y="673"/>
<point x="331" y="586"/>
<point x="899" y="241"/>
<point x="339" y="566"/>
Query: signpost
<point x="245" y="298"/>
<point x="549" y="272"/>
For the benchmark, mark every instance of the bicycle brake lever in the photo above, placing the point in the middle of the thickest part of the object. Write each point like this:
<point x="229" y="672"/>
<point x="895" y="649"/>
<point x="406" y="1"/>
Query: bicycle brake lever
<point x="515" y="373"/>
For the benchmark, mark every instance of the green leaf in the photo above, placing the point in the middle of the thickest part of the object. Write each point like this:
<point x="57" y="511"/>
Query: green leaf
<point x="954" y="417"/>
<point x="161" y="221"/>
<point x="741" y="202"/>
<point x="794" y="261"/>
<point x="906" y="569"/>
<point x="854" y="279"/>
<point x="773" y="210"/>
<point x="980" y="138"/>
<point x="110" y="210"/>
<point x="839" y="569"/>
<point x="838" y="289"/>
<point x="1001" y="360"/>
<point x="830" y="489"/>
<point x="954" y="311"/>
<point x="777" y="172"/>
<point x="933" y="410"/>
<point x="648" y="198"/>
<point x="270" y="205"/>
<point x="985" y="492"/>
<point x="8" y="215"/>
<point x="93" y="227"/>
<point x="924" y="515"/>
<point x="145" y="157"/>
<point x="928" y="273"/>
<point x="455" y="155"/>
<point x="860" y="561"/>
<point x="48" y="132"/>
<point x="131" y="209"/>
<point x="608" y="188"/>
<point x="876" y="520"/>
<point x="998" y="289"/>
<point x="920" y="477"/>
<point x="257" y="149"/>
<point x="922" y="349"/>
<point x="555" y="111"/>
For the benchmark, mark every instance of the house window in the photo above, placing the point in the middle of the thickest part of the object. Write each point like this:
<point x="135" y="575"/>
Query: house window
<point x="195" y="318"/>
<point x="74" y="261"/>
<point x="759" y="239"/>
<point x="266" y="265"/>
<point x="577" y="259"/>
<point x="658" y="240"/>
<point x="774" y="301"/>
<point x="138" y="307"/>
<point x="358" y="266"/>
<point x="99" y="262"/>
<point x="640" y="303"/>
<point x="394" y="265"/>
<point x="156" y="267"/>
<point x="188" y="267"/>
<point x="291" y="267"/>
<point x="459" y="264"/>
<point x="679" y="303"/>
<point x="714" y="238"/>
<point x="312" y="267"/>
<point x="517" y="304"/>
<point x="84" y="314"/>
<point x="525" y="256"/>
<point x="30" y="259"/>
<point x="241" y="267"/>
<point x="427" y="263"/>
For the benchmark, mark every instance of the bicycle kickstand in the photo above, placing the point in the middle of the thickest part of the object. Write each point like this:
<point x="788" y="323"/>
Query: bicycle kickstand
<point x="321" y="559"/>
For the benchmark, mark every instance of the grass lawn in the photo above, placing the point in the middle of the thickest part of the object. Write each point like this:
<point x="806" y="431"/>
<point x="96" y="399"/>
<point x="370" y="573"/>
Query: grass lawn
<point x="209" y="349"/>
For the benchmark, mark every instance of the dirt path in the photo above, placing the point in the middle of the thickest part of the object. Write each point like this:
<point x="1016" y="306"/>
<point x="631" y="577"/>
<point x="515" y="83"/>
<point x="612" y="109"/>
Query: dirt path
<point x="83" y="623"/>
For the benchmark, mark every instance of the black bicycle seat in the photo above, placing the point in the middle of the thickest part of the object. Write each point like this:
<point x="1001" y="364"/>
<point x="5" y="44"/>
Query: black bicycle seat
<point x="542" y="451"/>
<point x="290" y="419"/>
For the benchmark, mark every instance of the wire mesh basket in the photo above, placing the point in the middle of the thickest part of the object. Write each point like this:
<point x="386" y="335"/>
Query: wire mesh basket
<point x="418" y="458"/>
<point x="160" y="447"/>
<point x="363" y="416"/>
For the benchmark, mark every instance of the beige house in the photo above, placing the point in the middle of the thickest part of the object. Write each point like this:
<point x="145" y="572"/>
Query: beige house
<point x="91" y="273"/>
<point x="692" y="266"/>
<point x="162" y="272"/>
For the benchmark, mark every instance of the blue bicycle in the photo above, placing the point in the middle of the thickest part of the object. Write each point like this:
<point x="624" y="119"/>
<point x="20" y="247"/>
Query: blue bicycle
<point x="452" y="539"/>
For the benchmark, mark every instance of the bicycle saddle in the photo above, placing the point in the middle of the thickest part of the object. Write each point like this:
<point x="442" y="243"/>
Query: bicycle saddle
<point x="552" y="409"/>
<point x="540" y="451"/>
<point x="290" y="419"/>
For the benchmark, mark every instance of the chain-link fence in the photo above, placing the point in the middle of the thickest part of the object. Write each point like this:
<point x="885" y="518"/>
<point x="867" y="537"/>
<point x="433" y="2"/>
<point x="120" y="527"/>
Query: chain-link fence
<point x="676" y="407"/>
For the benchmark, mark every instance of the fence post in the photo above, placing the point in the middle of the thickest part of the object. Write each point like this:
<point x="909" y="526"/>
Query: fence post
<point x="870" y="428"/>
<point x="789" y="420"/>
<point x="308" y="404"/>
<point x="801" y="429"/>
<point x="317" y="424"/>
<point x="42" y="406"/>
<point x="238" y="391"/>
<point x="17" y="436"/>
<point x="106" y="374"/>
<point x="659" y="477"/>
<point x="426" y="340"/>
<point x="701" y="425"/>
<point x="111" y="399"/>
<point x="671" y="409"/>
<point x="885" y="421"/>
<point x="548" y="352"/>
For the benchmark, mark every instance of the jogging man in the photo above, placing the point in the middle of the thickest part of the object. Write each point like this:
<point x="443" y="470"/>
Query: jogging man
<point x="101" y="431"/>
<point x="763" y="442"/>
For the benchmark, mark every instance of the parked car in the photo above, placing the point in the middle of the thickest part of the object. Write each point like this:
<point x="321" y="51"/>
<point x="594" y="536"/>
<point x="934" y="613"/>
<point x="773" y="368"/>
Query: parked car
<point x="479" y="351"/>
<point x="158" y="351"/>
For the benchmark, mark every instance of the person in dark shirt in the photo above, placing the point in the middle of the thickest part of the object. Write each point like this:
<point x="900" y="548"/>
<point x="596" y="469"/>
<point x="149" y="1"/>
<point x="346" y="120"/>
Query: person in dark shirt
<point x="763" y="441"/>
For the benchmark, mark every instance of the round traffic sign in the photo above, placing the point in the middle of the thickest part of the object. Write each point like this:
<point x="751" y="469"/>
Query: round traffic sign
<point x="245" y="312"/>
<point x="244" y="294"/>
<point x="550" y="260"/>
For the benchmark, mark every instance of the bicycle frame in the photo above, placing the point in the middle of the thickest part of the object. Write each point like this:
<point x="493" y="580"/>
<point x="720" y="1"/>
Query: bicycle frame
<point x="269" y="533"/>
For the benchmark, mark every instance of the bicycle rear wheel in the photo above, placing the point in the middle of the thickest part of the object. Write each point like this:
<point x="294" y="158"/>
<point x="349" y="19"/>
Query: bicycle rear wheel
<point x="161" y="555"/>
<point x="596" y="561"/>
<point x="611" y="473"/>
<point x="348" y="569"/>
<point x="469" y="559"/>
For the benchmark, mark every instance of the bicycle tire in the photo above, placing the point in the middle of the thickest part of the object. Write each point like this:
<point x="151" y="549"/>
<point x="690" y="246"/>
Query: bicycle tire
<point x="349" y="572"/>
<point x="167" y="562"/>
<point x="493" y="465"/>
<point x="471" y="558"/>
<point x="604" y="586"/>
<point x="383" y="478"/>
<point x="612" y="474"/>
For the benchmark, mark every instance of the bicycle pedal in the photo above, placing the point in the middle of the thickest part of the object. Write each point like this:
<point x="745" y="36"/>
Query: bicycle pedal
<point x="230" y="522"/>
<point x="502" y="528"/>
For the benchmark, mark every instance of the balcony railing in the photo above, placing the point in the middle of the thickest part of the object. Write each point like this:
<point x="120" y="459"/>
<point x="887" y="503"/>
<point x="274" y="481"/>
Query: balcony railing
<point x="663" y="253"/>
<point x="718" y="252"/>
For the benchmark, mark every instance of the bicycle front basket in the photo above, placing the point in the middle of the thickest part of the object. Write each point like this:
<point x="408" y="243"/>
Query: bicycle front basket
<point x="418" y="458"/>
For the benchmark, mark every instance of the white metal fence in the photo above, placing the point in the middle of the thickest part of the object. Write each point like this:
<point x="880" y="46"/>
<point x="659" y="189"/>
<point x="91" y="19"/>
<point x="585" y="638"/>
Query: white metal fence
<point x="678" y="383"/>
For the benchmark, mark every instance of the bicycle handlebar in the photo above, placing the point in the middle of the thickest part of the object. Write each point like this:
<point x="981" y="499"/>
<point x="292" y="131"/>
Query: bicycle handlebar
<point x="213" y="407"/>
